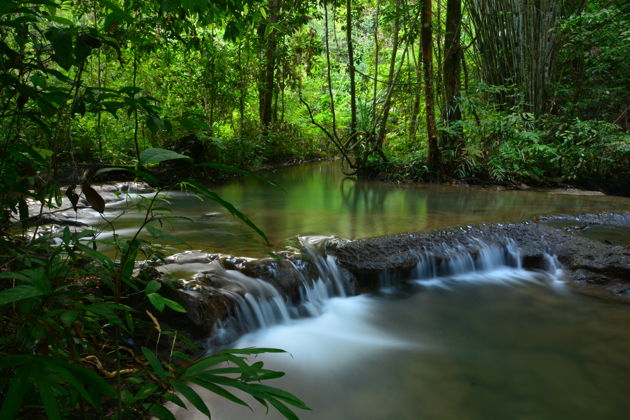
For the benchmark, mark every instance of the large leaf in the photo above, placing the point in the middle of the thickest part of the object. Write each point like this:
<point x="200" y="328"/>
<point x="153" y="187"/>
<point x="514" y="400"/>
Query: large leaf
<point x="48" y="399"/>
<point x="18" y="293"/>
<point x="94" y="198"/>
<point x="157" y="155"/>
<point x="158" y="369"/>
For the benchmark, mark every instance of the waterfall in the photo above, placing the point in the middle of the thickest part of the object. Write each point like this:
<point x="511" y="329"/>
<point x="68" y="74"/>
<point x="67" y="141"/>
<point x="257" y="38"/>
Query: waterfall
<point x="259" y="304"/>
<point x="293" y="288"/>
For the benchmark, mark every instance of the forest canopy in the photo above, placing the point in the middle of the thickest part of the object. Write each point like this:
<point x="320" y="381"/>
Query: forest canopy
<point x="513" y="90"/>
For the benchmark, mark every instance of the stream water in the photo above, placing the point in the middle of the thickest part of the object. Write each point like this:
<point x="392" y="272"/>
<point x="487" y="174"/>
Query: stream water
<point x="316" y="199"/>
<point x="479" y="340"/>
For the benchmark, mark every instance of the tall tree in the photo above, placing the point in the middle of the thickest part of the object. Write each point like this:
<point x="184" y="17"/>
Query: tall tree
<point x="452" y="138"/>
<point x="351" y="69"/>
<point x="269" y="37"/>
<point x="426" y="39"/>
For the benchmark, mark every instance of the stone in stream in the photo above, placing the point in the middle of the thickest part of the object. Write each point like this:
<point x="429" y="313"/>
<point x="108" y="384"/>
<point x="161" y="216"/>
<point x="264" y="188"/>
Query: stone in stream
<point x="259" y="292"/>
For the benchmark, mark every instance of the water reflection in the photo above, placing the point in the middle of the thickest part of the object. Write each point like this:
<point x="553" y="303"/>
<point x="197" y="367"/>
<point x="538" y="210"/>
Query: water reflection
<point x="317" y="199"/>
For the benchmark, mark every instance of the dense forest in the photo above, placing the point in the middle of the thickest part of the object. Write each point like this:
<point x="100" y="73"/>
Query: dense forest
<point x="516" y="92"/>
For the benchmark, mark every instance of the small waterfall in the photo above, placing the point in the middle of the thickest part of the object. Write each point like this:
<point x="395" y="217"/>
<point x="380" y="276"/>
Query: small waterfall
<point x="296" y="288"/>
<point x="457" y="260"/>
<point x="259" y="304"/>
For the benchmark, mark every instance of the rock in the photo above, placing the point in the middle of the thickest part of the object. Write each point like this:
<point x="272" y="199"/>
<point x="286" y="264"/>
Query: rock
<point x="591" y="267"/>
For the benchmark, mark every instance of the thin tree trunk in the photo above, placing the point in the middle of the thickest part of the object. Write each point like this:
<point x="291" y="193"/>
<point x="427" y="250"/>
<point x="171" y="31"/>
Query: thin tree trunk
<point x="390" y="82"/>
<point x="135" y="111"/>
<point x="373" y="122"/>
<point x="433" y="158"/>
<point x="415" y="109"/>
<point x="353" y="98"/>
<point x="266" y="97"/>
<point x="452" y="139"/>
<point x="328" y="75"/>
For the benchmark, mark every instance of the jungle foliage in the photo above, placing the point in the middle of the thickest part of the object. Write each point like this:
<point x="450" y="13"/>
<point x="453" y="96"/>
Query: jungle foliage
<point x="493" y="91"/>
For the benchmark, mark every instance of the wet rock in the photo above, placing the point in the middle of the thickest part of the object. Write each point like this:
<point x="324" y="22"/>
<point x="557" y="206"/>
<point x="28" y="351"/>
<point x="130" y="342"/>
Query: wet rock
<point x="584" y="260"/>
<point x="591" y="267"/>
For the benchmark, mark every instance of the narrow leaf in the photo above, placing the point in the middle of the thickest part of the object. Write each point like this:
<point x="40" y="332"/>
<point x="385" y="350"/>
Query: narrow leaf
<point x="154" y="362"/>
<point x="192" y="396"/>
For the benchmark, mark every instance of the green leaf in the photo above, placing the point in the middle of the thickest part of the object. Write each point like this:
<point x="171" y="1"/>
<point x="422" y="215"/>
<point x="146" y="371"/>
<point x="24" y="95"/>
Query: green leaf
<point x="157" y="301"/>
<point x="212" y="387"/>
<point x="19" y="293"/>
<point x="152" y="287"/>
<point x="204" y="364"/>
<point x="146" y="391"/>
<point x="157" y="155"/>
<point x="108" y="311"/>
<point x="128" y="260"/>
<point x="61" y="40"/>
<point x="161" y="413"/>
<point x="192" y="396"/>
<point x="253" y="350"/>
<point x="68" y="317"/>
<point x="158" y="369"/>
<point x="206" y="192"/>
<point x="283" y="409"/>
<point x="18" y="387"/>
<point x="48" y="399"/>
<point x="174" y="398"/>
<point x="98" y="256"/>
<point x="174" y="305"/>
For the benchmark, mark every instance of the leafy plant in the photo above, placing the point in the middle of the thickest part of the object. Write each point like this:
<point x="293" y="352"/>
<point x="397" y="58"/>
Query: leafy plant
<point x="72" y="317"/>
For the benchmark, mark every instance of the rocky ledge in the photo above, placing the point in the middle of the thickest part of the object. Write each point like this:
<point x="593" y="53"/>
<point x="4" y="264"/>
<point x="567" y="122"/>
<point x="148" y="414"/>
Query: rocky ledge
<point x="595" y="267"/>
<point x="591" y="266"/>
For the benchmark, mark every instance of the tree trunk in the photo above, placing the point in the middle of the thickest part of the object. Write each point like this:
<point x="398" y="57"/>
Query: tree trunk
<point x="353" y="95"/>
<point x="390" y="82"/>
<point x="415" y="109"/>
<point x="266" y="91"/>
<point x="433" y="158"/>
<point x="453" y="139"/>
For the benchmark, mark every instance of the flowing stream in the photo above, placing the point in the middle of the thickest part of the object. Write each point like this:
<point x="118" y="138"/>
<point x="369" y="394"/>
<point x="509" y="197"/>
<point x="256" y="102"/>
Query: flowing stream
<point x="475" y="337"/>
<point x="316" y="199"/>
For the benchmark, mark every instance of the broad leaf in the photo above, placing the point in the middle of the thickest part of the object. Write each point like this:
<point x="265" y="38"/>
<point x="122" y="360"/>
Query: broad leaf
<point x="157" y="155"/>
<point x="94" y="198"/>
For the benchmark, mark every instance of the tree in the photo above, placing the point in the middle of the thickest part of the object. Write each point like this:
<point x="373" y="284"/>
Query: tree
<point x="452" y="137"/>
<point x="426" y="36"/>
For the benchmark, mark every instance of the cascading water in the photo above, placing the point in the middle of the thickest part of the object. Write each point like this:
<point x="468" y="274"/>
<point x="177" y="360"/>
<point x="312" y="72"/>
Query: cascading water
<point x="259" y="304"/>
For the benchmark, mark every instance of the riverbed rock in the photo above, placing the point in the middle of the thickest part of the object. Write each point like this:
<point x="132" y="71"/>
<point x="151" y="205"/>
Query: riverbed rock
<point x="584" y="261"/>
<point x="592" y="267"/>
